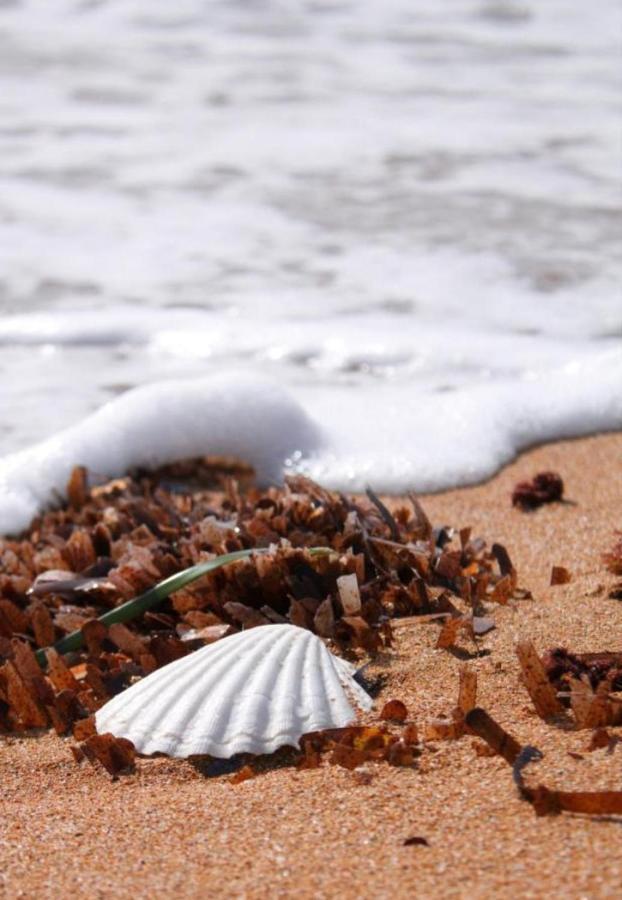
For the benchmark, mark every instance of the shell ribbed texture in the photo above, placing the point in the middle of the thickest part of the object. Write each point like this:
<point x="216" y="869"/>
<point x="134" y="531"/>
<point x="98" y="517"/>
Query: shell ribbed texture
<point x="249" y="693"/>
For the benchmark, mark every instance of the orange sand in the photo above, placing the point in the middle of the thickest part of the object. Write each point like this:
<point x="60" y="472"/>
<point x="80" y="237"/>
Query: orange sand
<point x="170" y="831"/>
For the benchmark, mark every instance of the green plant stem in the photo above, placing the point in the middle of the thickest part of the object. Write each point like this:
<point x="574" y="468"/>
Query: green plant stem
<point x="156" y="595"/>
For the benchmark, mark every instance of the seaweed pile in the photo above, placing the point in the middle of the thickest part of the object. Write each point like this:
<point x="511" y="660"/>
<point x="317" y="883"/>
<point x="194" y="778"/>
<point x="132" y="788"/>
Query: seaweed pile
<point x="346" y="568"/>
<point x="112" y="541"/>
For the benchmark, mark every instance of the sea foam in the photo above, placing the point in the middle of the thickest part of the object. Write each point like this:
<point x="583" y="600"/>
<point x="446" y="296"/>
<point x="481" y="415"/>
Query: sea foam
<point x="248" y="419"/>
<point x="387" y="436"/>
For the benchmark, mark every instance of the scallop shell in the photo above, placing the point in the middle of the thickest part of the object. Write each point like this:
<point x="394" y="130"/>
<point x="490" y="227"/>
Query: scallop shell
<point x="249" y="693"/>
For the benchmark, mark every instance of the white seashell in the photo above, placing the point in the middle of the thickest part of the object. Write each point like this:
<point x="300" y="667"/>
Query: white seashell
<point x="248" y="693"/>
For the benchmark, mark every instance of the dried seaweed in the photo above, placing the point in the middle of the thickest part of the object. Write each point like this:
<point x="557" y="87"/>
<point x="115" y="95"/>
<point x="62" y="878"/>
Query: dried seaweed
<point x="115" y="755"/>
<point x="357" y="745"/>
<point x="594" y="708"/>
<point x="545" y="487"/>
<point x="561" y="666"/>
<point x="613" y="557"/>
<point x="613" y="561"/>
<point x="496" y="737"/>
<point x="542" y="693"/>
<point x="560" y="575"/>
<point x="124" y="547"/>
<point x="455" y="726"/>
<point x="394" y="710"/>
<point x="545" y="801"/>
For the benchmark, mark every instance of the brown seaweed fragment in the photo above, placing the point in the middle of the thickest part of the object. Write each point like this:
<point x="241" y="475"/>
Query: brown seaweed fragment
<point x="545" y="487"/>
<point x="456" y="725"/>
<point x="560" y="575"/>
<point x="561" y="666"/>
<point x="543" y="694"/>
<point x="115" y="755"/>
<point x="496" y="737"/>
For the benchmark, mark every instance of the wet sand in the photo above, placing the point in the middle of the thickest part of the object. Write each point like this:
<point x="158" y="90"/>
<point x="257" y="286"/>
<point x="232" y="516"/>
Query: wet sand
<point x="171" y="830"/>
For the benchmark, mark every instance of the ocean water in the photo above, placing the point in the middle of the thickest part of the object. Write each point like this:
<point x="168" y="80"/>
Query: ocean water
<point x="386" y="235"/>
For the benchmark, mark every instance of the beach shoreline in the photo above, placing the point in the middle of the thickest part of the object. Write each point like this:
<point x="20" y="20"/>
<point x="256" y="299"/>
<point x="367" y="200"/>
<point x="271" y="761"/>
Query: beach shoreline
<point x="329" y="832"/>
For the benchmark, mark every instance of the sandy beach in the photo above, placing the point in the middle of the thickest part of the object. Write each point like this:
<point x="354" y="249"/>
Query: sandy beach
<point x="172" y="830"/>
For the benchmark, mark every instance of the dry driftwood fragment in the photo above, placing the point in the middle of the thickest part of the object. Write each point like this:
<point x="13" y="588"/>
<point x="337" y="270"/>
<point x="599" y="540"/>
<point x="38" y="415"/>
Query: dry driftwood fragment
<point x="348" y="757"/>
<point x="357" y="745"/>
<point x="465" y="535"/>
<point x="69" y="706"/>
<point x="539" y="688"/>
<point x="560" y="575"/>
<point x="27" y="665"/>
<point x="444" y="729"/>
<point x="96" y="682"/>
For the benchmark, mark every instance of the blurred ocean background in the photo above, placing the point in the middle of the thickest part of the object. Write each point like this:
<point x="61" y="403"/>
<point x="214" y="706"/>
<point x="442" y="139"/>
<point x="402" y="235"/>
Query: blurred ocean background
<point x="408" y="215"/>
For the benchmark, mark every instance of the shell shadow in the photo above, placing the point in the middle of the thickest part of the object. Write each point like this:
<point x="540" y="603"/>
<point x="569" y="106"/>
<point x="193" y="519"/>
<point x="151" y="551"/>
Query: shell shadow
<point x="210" y="767"/>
